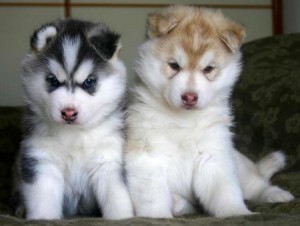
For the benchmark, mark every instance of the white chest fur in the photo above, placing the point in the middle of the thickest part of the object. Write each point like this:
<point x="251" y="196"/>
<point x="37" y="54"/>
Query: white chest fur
<point x="74" y="159"/>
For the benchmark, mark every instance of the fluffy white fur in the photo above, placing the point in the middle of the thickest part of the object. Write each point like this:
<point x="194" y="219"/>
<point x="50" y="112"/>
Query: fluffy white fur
<point x="177" y="157"/>
<point x="76" y="162"/>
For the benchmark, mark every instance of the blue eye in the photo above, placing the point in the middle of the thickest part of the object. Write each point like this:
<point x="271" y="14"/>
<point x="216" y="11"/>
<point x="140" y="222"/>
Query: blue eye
<point x="52" y="81"/>
<point x="89" y="83"/>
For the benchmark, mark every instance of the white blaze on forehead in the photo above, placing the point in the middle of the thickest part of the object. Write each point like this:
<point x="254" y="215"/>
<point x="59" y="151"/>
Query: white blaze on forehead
<point x="180" y="57"/>
<point x="207" y="59"/>
<point x="70" y="52"/>
<point x="57" y="70"/>
<point x="83" y="71"/>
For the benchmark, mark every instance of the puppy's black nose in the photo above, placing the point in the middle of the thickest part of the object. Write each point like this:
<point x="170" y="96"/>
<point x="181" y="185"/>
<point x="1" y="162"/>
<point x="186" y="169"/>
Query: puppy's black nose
<point x="69" y="114"/>
<point x="189" y="99"/>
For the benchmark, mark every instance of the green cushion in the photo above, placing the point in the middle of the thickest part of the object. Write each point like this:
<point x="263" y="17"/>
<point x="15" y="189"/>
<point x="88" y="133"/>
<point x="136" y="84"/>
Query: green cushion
<point x="266" y="99"/>
<point x="10" y="137"/>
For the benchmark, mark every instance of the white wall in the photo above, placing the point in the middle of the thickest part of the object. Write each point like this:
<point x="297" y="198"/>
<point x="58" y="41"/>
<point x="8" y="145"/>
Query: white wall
<point x="17" y="25"/>
<point x="291" y="16"/>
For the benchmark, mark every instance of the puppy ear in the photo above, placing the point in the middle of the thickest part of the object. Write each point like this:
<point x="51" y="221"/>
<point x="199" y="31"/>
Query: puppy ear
<point x="105" y="42"/>
<point x="42" y="37"/>
<point x="161" y="23"/>
<point x="233" y="36"/>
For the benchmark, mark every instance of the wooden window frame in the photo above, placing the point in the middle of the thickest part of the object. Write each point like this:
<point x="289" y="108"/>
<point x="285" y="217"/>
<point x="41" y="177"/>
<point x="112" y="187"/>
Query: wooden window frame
<point x="275" y="7"/>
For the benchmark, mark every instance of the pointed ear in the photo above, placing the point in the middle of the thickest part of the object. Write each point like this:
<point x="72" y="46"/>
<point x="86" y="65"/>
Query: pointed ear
<point x="106" y="43"/>
<point x="233" y="36"/>
<point x="161" y="23"/>
<point x="42" y="37"/>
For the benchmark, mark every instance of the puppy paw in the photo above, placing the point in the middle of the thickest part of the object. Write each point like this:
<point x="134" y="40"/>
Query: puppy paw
<point x="43" y="216"/>
<point x="181" y="206"/>
<point x="271" y="164"/>
<point x="154" y="213"/>
<point x="229" y="212"/>
<point x="276" y="194"/>
<point x="119" y="216"/>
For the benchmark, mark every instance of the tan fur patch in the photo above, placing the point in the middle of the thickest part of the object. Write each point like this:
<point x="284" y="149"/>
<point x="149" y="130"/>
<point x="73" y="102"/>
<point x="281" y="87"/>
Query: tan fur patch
<point x="196" y="31"/>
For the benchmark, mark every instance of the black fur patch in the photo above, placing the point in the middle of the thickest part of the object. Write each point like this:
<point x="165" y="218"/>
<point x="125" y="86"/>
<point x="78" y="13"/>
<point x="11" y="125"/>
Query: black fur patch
<point x="27" y="168"/>
<point x="54" y="51"/>
<point x="52" y="88"/>
<point x="26" y="165"/>
<point x="83" y="208"/>
<point x="106" y="43"/>
<point x="97" y="43"/>
<point x="30" y="122"/>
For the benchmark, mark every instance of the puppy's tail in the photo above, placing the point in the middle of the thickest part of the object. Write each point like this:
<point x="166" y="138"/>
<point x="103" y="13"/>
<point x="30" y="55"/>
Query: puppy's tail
<point x="271" y="164"/>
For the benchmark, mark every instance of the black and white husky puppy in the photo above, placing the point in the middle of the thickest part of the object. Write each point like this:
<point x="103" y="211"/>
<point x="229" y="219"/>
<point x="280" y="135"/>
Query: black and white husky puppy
<point x="71" y="156"/>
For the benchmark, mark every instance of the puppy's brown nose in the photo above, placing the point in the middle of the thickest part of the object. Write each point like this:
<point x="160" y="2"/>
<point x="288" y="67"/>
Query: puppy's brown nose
<point x="69" y="114"/>
<point x="189" y="99"/>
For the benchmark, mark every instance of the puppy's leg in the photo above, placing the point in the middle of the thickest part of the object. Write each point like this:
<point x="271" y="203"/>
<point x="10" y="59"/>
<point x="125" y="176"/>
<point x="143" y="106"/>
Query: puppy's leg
<point x="111" y="192"/>
<point x="43" y="198"/>
<point x="108" y="182"/>
<point x="217" y="187"/>
<point x="147" y="181"/>
<point x="182" y="206"/>
<point x="255" y="178"/>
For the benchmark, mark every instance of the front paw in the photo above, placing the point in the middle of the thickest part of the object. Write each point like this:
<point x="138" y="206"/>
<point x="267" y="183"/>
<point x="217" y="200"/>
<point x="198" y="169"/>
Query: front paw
<point x="125" y="214"/>
<point x="154" y="213"/>
<point x="181" y="206"/>
<point x="43" y="216"/>
<point x="118" y="209"/>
